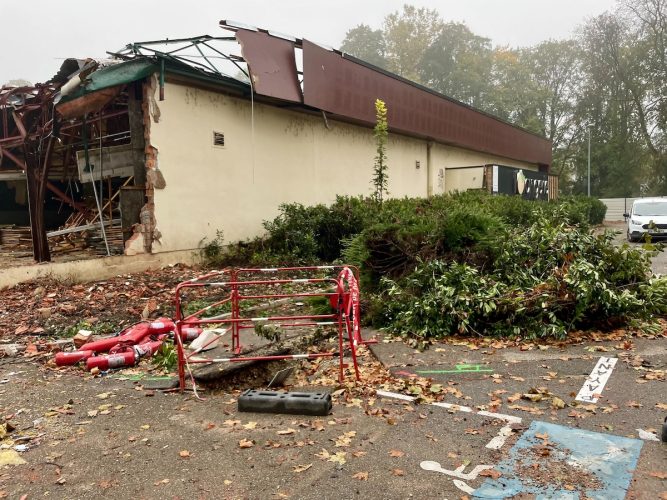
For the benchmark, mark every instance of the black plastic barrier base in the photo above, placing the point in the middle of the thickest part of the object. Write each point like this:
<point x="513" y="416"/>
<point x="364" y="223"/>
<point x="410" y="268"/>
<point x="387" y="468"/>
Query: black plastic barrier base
<point x="293" y="403"/>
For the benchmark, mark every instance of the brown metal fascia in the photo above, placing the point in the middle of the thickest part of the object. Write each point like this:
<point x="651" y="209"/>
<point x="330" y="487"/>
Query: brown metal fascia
<point x="348" y="89"/>
<point x="271" y="65"/>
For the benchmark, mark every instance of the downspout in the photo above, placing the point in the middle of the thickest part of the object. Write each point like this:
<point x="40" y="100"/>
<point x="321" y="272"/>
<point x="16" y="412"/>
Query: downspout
<point x="429" y="169"/>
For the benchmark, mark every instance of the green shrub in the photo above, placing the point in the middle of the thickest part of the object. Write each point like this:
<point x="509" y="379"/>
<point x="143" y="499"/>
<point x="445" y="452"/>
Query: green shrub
<point x="542" y="281"/>
<point x="583" y="209"/>
<point x="467" y="262"/>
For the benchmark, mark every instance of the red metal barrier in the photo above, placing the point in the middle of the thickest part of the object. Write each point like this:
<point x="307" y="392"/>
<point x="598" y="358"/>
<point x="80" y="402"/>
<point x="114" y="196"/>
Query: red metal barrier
<point x="342" y="290"/>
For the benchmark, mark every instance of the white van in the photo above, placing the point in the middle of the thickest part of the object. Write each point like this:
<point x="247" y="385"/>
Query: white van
<point x="648" y="216"/>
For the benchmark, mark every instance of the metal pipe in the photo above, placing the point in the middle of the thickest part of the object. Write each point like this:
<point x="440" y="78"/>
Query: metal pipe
<point x="589" y="159"/>
<point x="84" y="133"/>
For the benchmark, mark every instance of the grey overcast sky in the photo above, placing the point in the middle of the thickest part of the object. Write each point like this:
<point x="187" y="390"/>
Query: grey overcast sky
<point x="37" y="35"/>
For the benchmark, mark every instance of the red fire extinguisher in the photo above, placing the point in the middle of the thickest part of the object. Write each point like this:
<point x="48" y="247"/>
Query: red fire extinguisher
<point x="189" y="333"/>
<point x="72" y="358"/>
<point x="129" y="357"/>
<point x="132" y="335"/>
<point x="161" y="325"/>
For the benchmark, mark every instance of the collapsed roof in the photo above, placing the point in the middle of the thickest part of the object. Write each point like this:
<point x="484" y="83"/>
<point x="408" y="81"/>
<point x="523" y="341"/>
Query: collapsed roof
<point x="302" y="74"/>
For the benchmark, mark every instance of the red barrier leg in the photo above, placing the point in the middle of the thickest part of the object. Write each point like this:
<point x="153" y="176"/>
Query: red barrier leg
<point x="340" y="340"/>
<point x="353" y="347"/>
<point x="181" y="357"/>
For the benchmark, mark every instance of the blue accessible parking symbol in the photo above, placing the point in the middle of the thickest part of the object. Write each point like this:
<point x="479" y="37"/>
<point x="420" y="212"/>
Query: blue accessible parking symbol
<point x="548" y="458"/>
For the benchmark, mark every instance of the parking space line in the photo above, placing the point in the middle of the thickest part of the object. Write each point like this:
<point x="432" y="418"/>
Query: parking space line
<point x="591" y="391"/>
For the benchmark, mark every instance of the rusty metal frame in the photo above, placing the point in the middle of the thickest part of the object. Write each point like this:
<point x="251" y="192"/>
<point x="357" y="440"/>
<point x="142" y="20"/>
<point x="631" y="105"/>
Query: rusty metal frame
<point x="27" y="140"/>
<point x="30" y="133"/>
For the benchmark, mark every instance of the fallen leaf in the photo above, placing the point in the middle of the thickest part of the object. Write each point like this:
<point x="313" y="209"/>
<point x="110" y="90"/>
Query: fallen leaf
<point x="397" y="472"/>
<point x="184" y="453"/>
<point x="535" y="398"/>
<point x="396" y="453"/>
<point x="286" y="432"/>
<point x="358" y="454"/>
<point x="246" y="443"/>
<point x="105" y="484"/>
<point x="163" y="481"/>
<point x="301" y="468"/>
<point x="145" y="427"/>
<point x="661" y="406"/>
<point x="557" y="403"/>
<point x="361" y="476"/>
<point x="10" y="457"/>
<point x="345" y="439"/>
<point x="338" y="457"/>
<point x="514" y="397"/>
<point x="492" y="473"/>
<point x="251" y="425"/>
<point x="659" y="475"/>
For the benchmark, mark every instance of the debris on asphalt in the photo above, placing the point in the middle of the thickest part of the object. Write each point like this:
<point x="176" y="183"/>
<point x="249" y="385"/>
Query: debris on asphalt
<point x="549" y="465"/>
<point x="646" y="435"/>
<point x="10" y="457"/>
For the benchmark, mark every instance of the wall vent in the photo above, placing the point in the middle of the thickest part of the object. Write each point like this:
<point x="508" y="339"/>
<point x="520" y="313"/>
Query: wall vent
<point x="219" y="139"/>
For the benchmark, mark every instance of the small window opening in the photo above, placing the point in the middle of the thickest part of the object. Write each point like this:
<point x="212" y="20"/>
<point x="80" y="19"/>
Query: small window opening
<point x="219" y="139"/>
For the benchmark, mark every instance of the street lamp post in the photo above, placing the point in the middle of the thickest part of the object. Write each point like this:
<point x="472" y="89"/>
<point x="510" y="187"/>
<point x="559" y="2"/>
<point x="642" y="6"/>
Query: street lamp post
<point x="589" y="160"/>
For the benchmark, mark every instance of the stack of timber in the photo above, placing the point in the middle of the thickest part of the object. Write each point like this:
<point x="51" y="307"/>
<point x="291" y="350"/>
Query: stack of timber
<point x="114" y="236"/>
<point x="15" y="237"/>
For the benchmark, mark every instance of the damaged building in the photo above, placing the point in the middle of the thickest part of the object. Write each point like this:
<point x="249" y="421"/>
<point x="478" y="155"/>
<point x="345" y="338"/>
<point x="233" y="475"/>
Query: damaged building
<point x="167" y="142"/>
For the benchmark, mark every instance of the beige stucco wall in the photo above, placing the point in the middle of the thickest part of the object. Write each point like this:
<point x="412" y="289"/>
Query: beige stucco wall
<point x="462" y="179"/>
<point x="286" y="156"/>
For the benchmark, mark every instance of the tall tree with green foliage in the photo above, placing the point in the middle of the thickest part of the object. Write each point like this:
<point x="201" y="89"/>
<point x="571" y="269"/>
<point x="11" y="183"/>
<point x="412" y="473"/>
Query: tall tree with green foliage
<point x="407" y="35"/>
<point x="458" y="64"/>
<point x="380" y="169"/>
<point x="367" y="44"/>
